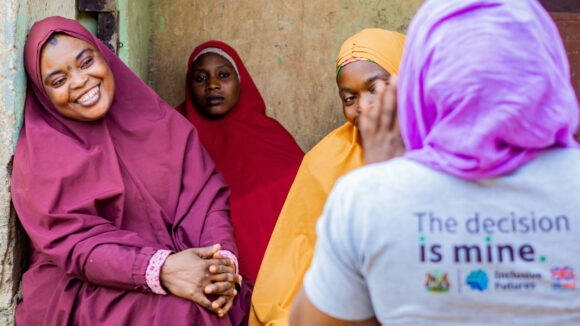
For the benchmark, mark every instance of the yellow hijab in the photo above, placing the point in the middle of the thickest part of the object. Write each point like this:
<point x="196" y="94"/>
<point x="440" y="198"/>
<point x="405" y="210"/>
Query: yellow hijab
<point x="291" y="246"/>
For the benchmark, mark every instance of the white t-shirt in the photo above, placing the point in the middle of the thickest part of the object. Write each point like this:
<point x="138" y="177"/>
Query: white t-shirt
<point x="414" y="246"/>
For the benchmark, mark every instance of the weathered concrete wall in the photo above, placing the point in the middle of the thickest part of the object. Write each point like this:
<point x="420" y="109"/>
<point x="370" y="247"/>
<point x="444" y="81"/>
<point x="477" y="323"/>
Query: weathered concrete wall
<point x="8" y="92"/>
<point x="134" y="30"/>
<point x="569" y="27"/>
<point x="289" y="48"/>
<point x="16" y="17"/>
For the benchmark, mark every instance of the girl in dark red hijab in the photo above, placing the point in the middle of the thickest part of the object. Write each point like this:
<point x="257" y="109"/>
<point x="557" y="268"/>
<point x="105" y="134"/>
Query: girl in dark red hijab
<point x="108" y="180"/>
<point x="256" y="155"/>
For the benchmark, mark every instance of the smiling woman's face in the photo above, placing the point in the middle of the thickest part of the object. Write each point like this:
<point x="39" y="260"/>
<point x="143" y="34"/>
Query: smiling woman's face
<point x="76" y="78"/>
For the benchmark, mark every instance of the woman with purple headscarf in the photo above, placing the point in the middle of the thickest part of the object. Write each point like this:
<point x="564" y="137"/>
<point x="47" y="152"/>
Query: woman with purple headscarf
<point x="128" y="222"/>
<point x="477" y="224"/>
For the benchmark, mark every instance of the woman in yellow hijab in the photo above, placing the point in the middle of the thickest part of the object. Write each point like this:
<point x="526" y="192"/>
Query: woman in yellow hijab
<point x="292" y="243"/>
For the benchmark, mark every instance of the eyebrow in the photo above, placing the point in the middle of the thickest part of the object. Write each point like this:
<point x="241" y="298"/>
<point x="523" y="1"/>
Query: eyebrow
<point x="83" y="52"/>
<point x="367" y="82"/>
<point x="56" y="72"/>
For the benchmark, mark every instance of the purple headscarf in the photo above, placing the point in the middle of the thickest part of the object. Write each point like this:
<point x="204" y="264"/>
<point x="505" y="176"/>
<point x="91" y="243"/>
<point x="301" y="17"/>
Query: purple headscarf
<point x="484" y="86"/>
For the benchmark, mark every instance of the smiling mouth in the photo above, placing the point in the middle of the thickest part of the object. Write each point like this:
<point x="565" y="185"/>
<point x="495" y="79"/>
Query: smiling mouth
<point x="214" y="100"/>
<point x="91" y="97"/>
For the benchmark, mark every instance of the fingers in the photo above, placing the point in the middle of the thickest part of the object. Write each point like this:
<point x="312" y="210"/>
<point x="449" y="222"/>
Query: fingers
<point x="222" y="288"/>
<point x="370" y="116"/>
<point x="379" y="127"/>
<point x="222" y="265"/>
<point x="226" y="307"/>
<point x="389" y="104"/>
<point x="203" y="301"/>
<point x="222" y="305"/>
<point x="206" y="252"/>
<point x="226" y="277"/>
<point x="374" y="111"/>
<point x="218" y="303"/>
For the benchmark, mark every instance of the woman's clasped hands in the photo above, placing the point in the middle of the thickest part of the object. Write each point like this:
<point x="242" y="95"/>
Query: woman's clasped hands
<point x="202" y="275"/>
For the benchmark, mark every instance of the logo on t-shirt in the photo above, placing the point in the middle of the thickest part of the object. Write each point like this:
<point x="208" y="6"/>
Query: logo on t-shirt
<point x="477" y="280"/>
<point x="563" y="278"/>
<point x="509" y="245"/>
<point x="437" y="282"/>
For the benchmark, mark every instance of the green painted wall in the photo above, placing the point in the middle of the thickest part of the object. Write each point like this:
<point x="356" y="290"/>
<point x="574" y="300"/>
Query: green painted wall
<point x="88" y="20"/>
<point x="16" y="18"/>
<point x="134" y="32"/>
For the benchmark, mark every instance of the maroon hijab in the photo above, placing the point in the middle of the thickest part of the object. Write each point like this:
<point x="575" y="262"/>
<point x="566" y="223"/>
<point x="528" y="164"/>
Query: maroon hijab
<point x="138" y="178"/>
<point x="256" y="155"/>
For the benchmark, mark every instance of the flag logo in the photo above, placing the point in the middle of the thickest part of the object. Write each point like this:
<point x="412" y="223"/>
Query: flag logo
<point x="563" y="278"/>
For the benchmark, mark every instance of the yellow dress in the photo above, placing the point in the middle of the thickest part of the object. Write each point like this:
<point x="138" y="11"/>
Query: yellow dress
<point x="291" y="246"/>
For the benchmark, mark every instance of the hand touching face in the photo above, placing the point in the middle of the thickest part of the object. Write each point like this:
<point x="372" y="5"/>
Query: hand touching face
<point x="357" y="87"/>
<point x="379" y="126"/>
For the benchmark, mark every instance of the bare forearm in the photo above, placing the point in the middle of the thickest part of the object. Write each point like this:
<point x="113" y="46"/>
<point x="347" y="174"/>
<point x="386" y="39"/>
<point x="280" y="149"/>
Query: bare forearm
<point x="304" y="312"/>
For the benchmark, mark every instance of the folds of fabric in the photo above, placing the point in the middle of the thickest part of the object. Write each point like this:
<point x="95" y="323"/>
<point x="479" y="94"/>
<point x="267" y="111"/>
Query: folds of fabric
<point x="257" y="157"/>
<point x="99" y="198"/>
<point x="292" y="243"/>
<point x="386" y="53"/>
<point x="477" y="98"/>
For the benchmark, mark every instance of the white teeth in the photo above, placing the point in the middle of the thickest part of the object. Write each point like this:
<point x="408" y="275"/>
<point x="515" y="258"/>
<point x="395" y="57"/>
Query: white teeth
<point x="89" y="96"/>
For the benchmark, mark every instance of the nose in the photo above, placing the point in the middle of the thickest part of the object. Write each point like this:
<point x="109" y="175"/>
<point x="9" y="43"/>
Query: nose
<point x="78" y="79"/>
<point x="213" y="83"/>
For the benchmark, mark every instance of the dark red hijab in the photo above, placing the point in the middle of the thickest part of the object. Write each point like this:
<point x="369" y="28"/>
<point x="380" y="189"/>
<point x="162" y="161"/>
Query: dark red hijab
<point x="257" y="157"/>
<point x="138" y="178"/>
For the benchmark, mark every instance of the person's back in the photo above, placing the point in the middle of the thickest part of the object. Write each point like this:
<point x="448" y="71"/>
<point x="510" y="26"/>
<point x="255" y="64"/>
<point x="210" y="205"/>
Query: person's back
<point x="435" y="249"/>
<point x="477" y="223"/>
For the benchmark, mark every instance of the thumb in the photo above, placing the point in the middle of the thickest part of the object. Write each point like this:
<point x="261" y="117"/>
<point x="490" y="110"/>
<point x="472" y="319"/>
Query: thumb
<point x="206" y="252"/>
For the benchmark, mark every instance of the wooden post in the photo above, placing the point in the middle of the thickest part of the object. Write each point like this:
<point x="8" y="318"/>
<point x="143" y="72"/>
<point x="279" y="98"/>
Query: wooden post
<point x="107" y="23"/>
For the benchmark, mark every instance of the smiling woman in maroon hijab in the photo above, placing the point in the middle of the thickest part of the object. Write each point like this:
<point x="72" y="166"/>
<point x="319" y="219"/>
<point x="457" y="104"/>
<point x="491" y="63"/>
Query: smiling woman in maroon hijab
<point x="256" y="155"/>
<point x="118" y="196"/>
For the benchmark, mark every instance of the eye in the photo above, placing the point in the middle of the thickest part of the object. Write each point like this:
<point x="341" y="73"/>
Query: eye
<point x="58" y="81"/>
<point x="223" y="74"/>
<point x="200" y="78"/>
<point x="87" y="62"/>
<point x="348" y="99"/>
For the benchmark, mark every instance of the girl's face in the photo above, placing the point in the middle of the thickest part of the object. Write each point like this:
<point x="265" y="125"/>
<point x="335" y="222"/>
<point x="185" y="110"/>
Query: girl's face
<point x="214" y="87"/>
<point x="357" y="83"/>
<point x="76" y="78"/>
